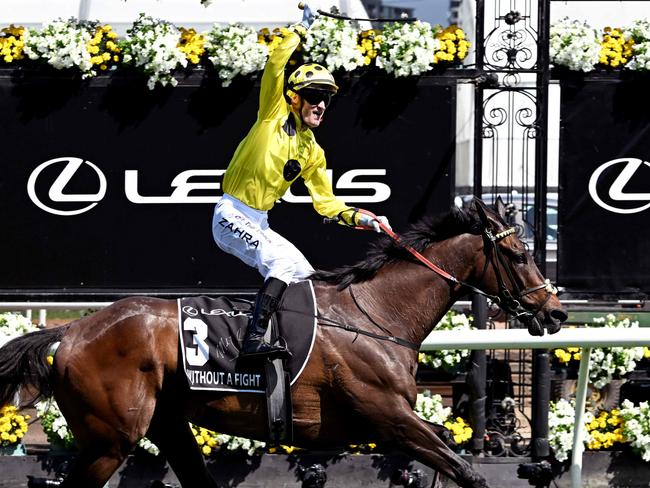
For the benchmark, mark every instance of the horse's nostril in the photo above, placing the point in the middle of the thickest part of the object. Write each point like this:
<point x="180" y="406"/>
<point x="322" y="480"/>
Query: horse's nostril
<point x="559" y="315"/>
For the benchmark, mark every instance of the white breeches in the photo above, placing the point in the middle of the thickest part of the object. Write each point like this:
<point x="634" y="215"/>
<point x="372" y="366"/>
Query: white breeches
<point x="244" y="232"/>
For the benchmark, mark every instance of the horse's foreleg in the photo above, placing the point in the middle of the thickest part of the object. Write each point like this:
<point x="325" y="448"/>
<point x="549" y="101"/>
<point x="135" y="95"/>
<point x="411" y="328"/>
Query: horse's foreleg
<point x="93" y="468"/>
<point x="173" y="435"/>
<point x="417" y="438"/>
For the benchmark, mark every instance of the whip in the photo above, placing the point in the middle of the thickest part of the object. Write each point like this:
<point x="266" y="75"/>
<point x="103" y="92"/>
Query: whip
<point x="301" y="6"/>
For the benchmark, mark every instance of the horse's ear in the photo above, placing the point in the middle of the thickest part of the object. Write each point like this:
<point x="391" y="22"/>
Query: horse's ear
<point x="500" y="208"/>
<point x="482" y="211"/>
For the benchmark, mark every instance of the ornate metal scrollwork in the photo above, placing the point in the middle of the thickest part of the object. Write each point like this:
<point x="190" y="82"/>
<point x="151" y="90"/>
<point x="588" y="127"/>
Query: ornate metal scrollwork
<point x="512" y="42"/>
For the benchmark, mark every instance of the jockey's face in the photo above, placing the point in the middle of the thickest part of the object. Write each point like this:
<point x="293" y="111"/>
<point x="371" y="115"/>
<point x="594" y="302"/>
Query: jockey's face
<point x="311" y="105"/>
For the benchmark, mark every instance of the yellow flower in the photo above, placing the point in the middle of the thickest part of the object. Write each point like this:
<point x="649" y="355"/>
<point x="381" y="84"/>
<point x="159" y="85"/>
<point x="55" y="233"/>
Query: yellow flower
<point x="192" y="45"/>
<point x="206" y="450"/>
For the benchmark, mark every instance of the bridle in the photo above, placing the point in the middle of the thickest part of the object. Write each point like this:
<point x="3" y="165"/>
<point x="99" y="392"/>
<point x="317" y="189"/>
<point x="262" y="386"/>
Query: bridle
<point x="508" y="300"/>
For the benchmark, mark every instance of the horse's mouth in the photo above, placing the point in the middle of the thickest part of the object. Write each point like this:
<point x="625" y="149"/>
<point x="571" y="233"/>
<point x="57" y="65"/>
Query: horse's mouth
<point x="551" y="321"/>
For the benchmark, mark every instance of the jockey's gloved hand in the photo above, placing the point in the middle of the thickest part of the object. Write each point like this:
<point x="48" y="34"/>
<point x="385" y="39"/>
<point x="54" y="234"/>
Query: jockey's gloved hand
<point x="371" y="222"/>
<point x="308" y="17"/>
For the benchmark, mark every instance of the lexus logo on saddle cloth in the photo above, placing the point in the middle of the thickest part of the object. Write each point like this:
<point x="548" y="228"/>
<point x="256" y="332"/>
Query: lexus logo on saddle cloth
<point x="621" y="199"/>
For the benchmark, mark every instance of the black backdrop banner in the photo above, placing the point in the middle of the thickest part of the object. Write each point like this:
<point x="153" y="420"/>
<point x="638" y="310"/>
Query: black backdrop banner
<point x="604" y="198"/>
<point x="108" y="188"/>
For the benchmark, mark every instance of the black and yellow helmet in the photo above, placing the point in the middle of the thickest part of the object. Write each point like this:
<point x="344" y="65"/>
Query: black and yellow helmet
<point x="311" y="75"/>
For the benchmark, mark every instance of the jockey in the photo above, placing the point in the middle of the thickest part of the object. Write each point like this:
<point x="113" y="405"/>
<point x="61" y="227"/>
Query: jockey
<point x="278" y="148"/>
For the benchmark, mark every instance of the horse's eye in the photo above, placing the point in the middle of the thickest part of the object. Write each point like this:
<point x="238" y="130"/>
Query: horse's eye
<point x="520" y="258"/>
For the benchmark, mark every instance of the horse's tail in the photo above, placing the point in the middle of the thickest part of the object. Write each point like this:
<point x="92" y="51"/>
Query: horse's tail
<point x="23" y="362"/>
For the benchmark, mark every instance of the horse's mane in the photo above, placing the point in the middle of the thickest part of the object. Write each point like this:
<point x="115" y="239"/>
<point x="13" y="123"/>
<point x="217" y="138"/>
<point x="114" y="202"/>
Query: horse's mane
<point x="419" y="236"/>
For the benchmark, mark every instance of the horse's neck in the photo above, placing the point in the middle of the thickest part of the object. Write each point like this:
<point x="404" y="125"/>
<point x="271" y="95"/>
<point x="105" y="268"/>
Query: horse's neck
<point x="410" y="298"/>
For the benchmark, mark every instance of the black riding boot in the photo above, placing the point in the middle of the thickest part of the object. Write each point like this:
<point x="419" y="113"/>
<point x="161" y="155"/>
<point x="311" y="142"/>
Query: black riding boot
<point x="266" y="302"/>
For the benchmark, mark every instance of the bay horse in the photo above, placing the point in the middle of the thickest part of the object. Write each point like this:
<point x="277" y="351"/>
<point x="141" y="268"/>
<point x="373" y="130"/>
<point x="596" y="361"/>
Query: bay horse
<point x="117" y="376"/>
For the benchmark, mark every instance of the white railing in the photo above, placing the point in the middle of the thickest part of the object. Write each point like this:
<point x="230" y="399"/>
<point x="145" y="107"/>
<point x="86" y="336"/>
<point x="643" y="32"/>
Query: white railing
<point x="586" y="339"/>
<point x="43" y="307"/>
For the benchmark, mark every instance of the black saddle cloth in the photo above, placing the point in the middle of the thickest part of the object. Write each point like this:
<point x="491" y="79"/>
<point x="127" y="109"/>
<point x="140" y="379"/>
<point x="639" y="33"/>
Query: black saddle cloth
<point x="212" y="329"/>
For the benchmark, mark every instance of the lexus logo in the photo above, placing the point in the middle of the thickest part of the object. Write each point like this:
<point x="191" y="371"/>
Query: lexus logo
<point x="182" y="185"/>
<point x="69" y="166"/>
<point x="629" y="167"/>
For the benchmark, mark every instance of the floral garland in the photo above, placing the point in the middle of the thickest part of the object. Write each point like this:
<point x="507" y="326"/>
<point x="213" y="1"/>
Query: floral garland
<point x="628" y="425"/>
<point x="448" y="359"/>
<point x="607" y="362"/>
<point x="159" y="49"/>
<point x="55" y="426"/>
<point x="577" y="46"/>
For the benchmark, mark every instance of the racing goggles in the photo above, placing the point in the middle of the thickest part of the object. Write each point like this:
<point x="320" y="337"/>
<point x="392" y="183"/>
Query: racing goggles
<point x="314" y="97"/>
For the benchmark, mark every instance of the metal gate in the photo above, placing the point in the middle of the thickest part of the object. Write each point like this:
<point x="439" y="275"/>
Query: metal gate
<point x="510" y="160"/>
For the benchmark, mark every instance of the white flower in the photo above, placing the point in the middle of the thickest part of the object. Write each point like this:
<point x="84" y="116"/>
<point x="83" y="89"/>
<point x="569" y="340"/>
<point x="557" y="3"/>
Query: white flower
<point x="608" y="362"/>
<point x="636" y="428"/>
<point x="429" y="407"/>
<point x="13" y="325"/>
<point x="148" y="446"/>
<point x="640" y="32"/>
<point x="449" y="357"/>
<point x="408" y="49"/>
<point x="333" y="43"/>
<point x="62" y="44"/>
<point x="233" y="443"/>
<point x="574" y="44"/>
<point x="561" y="419"/>
<point x="152" y="46"/>
<point x="234" y="50"/>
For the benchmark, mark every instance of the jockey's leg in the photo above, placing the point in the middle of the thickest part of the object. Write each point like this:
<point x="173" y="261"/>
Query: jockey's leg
<point x="266" y="303"/>
<point x="245" y="233"/>
<point x="280" y="262"/>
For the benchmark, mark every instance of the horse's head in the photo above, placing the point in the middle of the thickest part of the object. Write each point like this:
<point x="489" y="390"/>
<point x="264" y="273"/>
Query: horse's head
<point x="510" y="274"/>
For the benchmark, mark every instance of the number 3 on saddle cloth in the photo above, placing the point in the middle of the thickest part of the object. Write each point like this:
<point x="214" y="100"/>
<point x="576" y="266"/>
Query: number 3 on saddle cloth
<point x="212" y="330"/>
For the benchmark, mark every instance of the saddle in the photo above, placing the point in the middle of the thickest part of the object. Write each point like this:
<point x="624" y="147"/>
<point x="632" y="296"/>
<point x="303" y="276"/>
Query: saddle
<point x="211" y="332"/>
